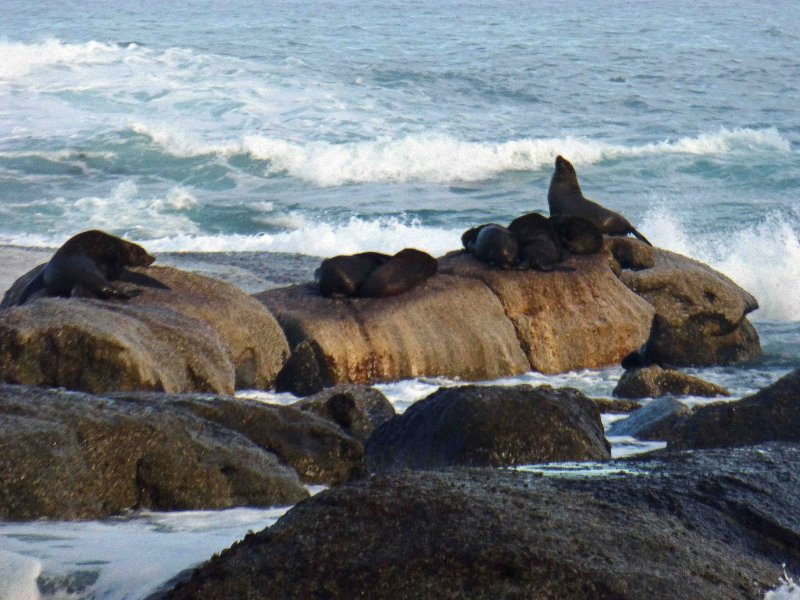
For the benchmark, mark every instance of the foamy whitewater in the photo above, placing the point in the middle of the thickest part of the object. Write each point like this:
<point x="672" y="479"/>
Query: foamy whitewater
<point x="312" y="129"/>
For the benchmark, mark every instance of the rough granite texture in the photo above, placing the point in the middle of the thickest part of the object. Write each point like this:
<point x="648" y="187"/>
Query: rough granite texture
<point x="707" y="525"/>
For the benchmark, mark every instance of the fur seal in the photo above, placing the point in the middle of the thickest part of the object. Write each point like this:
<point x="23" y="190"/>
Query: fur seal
<point x="496" y="246"/>
<point x="565" y="198"/>
<point x="579" y="235"/>
<point x="86" y="265"/>
<point x="344" y="275"/>
<point x="540" y="245"/>
<point x="402" y="272"/>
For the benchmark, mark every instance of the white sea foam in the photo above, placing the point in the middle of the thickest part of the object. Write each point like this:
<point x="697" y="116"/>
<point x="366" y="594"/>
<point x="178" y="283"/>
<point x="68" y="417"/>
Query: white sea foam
<point x="119" y="558"/>
<point x="764" y="260"/>
<point x="322" y="239"/>
<point x="787" y="590"/>
<point x="19" y="59"/>
<point x="442" y="158"/>
<point x="18" y="575"/>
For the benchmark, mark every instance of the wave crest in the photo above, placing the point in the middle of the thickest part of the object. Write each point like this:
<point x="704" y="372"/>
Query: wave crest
<point x="442" y="158"/>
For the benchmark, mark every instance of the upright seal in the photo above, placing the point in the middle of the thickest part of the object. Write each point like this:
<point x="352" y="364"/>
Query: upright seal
<point x="566" y="199"/>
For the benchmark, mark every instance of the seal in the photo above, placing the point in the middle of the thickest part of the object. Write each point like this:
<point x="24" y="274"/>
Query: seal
<point x="565" y="198"/>
<point x="541" y="247"/>
<point x="402" y="272"/>
<point x="580" y="236"/>
<point x="345" y="274"/>
<point x="86" y="265"/>
<point x="496" y="246"/>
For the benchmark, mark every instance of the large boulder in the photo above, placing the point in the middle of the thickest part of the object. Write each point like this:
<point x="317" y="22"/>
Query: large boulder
<point x="357" y="409"/>
<point x="584" y="319"/>
<point x="448" y="326"/>
<point x="654" y="382"/>
<point x="69" y="455"/>
<point x="318" y="450"/>
<point x="700" y="313"/>
<point x="199" y="335"/>
<point x="710" y="525"/>
<point x="490" y="426"/>
<point x="771" y="414"/>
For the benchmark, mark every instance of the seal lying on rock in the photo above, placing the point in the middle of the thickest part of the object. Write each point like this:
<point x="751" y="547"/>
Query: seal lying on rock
<point x="402" y="272"/>
<point x="566" y="199"/>
<point x="541" y="247"/>
<point x="86" y="265"/>
<point x="344" y="275"/>
<point x="496" y="246"/>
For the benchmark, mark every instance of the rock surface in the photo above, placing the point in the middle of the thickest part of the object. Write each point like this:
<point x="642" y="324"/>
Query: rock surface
<point x="710" y="525"/>
<point x="700" y="313"/>
<point x="771" y="414"/>
<point x="69" y="455"/>
<point x="357" y="409"/>
<point x="490" y="426"/>
<point x="316" y="448"/>
<point x="654" y="382"/>
<point x="448" y="326"/>
<point x="201" y="335"/>
<point x="583" y="319"/>
<point x="655" y="421"/>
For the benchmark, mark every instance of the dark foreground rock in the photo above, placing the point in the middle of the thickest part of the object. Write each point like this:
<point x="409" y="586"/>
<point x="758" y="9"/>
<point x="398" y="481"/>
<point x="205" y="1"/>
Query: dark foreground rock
<point x="69" y="455"/>
<point x="772" y="414"/>
<point x="200" y="335"/>
<point x="490" y="426"/>
<point x="654" y="382"/>
<point x="709" y="525"/>
<point x="357" y="409"/>
<point x="655" y="421"/>
<point x="317" y="449"/>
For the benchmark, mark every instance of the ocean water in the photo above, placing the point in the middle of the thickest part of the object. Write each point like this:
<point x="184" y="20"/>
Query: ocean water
<point x="297" y="130"/>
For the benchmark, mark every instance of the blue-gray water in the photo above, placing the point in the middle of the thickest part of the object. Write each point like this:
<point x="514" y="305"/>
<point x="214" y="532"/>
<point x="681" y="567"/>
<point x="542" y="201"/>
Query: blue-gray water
<point x="320" y="128"/>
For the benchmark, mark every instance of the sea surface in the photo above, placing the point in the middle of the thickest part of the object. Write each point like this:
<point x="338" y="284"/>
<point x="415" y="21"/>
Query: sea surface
<point x="249" y="139"/>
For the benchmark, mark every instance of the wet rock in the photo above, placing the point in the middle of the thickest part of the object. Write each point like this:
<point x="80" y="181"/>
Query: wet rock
<point x="654" y="382"/>
<point x="700" y="313"/>
<point x="318" y="450"/>
<point x="772" y="414"/>
<point x="654" y="421"/>
<point x="615" y="406"/>
<point x="490" y="426"/>
<point x="69" y="455"/>
<point x="711" y="525"/>
<point x="447" y="327"/>
<point x="357" y="409"/>
<point x="199" y="335"/>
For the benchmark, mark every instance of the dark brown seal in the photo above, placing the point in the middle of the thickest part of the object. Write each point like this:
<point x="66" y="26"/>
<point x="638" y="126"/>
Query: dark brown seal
<point x="580" y="236"/>
<point x="566" y="199"/>
<point x="402" y="272"/>
<point x="344" y="275"/>
<point x="87" y="264"/>
<point x="540" y="245"/>
<point x="496" y="246"/>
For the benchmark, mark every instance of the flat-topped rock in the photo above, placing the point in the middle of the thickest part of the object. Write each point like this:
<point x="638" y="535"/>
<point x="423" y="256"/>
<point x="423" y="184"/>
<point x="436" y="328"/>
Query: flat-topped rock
<point x="564" y="321"/>
<point x="199" y="335"/>
<point x="449" y="326"/>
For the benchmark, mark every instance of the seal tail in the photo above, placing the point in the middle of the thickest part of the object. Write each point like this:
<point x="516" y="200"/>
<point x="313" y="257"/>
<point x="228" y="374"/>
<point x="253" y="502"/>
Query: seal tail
<point x="640" y="236"/>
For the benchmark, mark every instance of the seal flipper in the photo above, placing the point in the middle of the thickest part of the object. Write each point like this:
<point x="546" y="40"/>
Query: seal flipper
<point x="141" y="279"/>
<point x="640" y="236"/>
<point x="34" y="285"/>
